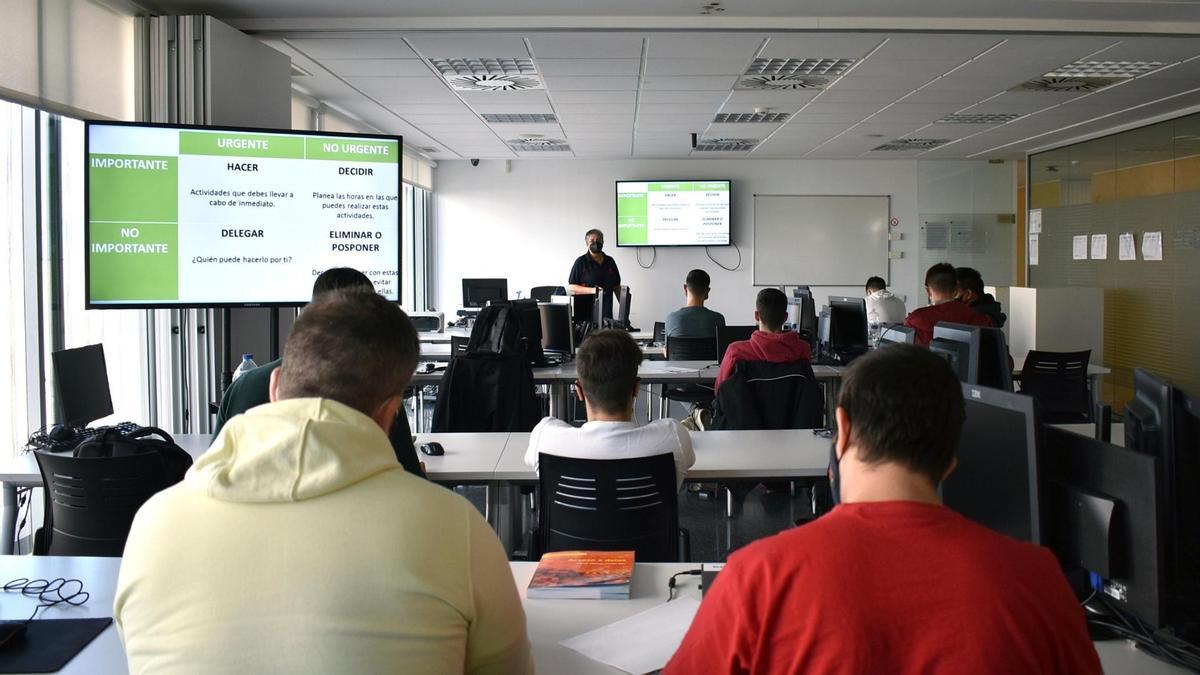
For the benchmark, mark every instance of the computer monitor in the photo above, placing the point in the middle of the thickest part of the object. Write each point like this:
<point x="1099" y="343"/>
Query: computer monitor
<point x="968" y="360"/>
<point x="1102" y="513"/>
<point x="727" y="335"/>
<point x="847" y="324"/>
<point x="624" y="301"/>
<point x="996" y="480"/>
<point x="479" y="292"/>
<point x="803" y="313"/>
<point x="994" y="368"/>
<point x="957" y="354"/>
<point x="530" y="321"/>
<point x="896" y="334"/>
<point x="81" y="384"/>
<point x="1163" y="421"/>
<point x="558" y="331"/>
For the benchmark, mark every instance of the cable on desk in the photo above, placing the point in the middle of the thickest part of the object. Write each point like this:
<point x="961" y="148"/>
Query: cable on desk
<point x="50" y="593"/>
<point x="1161" y="644"/>
<point x="671" y="582"/>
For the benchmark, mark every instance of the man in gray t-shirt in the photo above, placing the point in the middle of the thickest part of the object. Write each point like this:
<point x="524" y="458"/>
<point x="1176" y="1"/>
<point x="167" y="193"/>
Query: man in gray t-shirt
<point x="694" y="319"/>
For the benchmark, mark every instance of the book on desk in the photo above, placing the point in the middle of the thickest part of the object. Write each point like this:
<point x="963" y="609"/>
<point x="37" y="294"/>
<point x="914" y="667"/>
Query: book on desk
<point x="588" y="575"/>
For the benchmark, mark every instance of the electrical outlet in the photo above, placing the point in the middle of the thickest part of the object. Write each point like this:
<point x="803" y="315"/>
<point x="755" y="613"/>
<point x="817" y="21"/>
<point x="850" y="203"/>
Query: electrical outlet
<point x="896" y="236"/>
<point x="895" y="255"/>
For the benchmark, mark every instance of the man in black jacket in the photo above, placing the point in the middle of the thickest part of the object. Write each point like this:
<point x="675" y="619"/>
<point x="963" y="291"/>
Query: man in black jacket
<point x="970" y="291"/>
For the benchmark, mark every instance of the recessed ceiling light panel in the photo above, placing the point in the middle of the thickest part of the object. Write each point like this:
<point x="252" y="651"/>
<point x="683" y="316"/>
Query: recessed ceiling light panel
<point x="1067" y="84"/>
<point x="781" y="82"/>
<point x="744" y="118"/>
<point x="978" y="118"/>
<point x="538" y="145"/>
<point x="484" y="66"/>
<point x="901" y="144"/>
<point x="1106" y="69"/>
<point x="828" y="67"/>
<point x="494" y="82"/>
<point x="519" y="118"/>
<point x="725" y="144"/>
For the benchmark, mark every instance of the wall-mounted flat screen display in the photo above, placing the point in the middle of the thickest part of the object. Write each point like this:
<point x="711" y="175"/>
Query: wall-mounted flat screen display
<point x="189" y="216"/>
<point x="673" y="213"/>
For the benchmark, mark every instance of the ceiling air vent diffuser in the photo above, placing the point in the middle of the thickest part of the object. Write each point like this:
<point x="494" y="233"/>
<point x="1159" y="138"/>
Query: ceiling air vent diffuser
<point x="519" y="118"/>
<point x="538" y="145"/>
<point x="901" y="144"/>
<point x="782" y="82"/>
<point x="978" y="118"/>
<point x="725" y="144"/>
<point x="831" y="67"/>
<point x="1052" y="84"/>
<point x="742" y="118"/>
<point x="494" y="82"/>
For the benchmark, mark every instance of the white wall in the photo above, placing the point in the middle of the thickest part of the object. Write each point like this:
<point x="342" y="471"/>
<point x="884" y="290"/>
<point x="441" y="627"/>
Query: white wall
<point x="527" y="224"/>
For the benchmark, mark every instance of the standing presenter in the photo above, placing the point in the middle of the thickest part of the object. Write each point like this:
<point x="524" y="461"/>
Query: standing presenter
<point x="593" y="273"/>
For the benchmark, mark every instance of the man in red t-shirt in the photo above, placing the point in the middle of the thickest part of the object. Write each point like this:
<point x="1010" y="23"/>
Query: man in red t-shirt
<point x="770" y="342"/>
<point x="890" y="580"/>
<point x="941" y="284"/>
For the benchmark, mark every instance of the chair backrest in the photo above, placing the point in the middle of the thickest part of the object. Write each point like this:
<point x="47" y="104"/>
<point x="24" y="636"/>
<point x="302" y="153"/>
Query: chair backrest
<point x="765" y="395"/>
<point x="727" y="335"/>
<point x="691" y="348"/>
<point x="91" y="501"/>
<point x="660" y="331"/>
<point x="1059" y="382"/>
<point x="545" y="293"/>
<point x="610" y="505"/>
<point x="458" y="345"/>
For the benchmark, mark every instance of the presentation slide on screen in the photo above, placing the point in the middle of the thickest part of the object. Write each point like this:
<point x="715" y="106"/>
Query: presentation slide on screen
<point x="208" y="217"/>
<point x="673" y="214"/>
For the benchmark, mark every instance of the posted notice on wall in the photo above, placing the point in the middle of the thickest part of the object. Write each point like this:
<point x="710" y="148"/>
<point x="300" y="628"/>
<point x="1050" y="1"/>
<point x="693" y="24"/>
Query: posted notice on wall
<point x="1152" y="246"/>
<point x="1035" y="221"/>
<point x="1033" y="249"/>
<point x="1079" y="247"/>
<point x="209" y="217"/>
<point x="1099" y="247"/>
<point x="1126" y="249"/>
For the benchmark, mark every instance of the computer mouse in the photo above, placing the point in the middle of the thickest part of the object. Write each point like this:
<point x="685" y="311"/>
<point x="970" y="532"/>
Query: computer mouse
<point x="12" y="633"/>
<point x="434" y="449"/>
<point x="61" y="433"/>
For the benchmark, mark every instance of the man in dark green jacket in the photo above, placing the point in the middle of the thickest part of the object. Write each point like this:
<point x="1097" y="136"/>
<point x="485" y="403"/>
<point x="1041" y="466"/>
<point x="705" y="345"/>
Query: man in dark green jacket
<point x="251" y="388"/>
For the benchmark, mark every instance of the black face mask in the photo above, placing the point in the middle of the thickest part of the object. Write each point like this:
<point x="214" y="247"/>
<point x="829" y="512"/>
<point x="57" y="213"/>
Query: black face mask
<point x="835" y="473"/>
<point x="596" y="246"/>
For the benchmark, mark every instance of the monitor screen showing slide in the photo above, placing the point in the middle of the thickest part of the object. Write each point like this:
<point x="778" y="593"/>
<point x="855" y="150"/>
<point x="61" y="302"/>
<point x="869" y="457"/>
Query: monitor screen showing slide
<point x="673" y="213"/>
<point x="182" y="216"/>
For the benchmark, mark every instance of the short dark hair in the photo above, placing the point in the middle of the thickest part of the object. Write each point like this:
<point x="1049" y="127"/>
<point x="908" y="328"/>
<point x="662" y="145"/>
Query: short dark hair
<point x="698" y="282"/>
<point x="338" y="278"/>
<point x="876" y="284"/>
<point x="591" y="232"/>
<point x="771" y="304"/>
<point x="969" y="279"/>
<point x="607" y="363"/>
<point x="942" y="279"/>
<point x="905" y="405"/>
<point x="353" y="347"/>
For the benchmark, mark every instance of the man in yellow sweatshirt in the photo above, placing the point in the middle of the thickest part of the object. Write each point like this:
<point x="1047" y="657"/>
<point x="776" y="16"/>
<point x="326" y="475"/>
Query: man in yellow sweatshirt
<point x="298" y="544"/>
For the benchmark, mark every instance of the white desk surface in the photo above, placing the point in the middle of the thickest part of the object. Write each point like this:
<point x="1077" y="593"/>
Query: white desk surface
<point x="547" y="621"/>
<point x="720" y="455"/>
<point x="469" y="457"/>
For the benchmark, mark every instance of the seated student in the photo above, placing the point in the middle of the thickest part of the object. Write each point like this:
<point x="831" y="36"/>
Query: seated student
<point x="770" y="342"/>
<point x="942" y="285"/>
<point x="251" y="389"/>
<point x="694" y="319"/>
<point x="607" y="362"/>
<point x="882" y="306"/>
<point x="297" y="544"/>
<point x="970" y="292"/>
<point x="890" y="580"/>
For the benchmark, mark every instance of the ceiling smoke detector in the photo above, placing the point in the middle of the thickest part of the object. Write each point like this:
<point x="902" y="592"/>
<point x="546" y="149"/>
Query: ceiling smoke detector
<point x="902" y="144"/>
<point x="781" y="82"/>
<point x="725" y="144"/>
<point x="1051" y="84"/>
<point x="494" y="82"/>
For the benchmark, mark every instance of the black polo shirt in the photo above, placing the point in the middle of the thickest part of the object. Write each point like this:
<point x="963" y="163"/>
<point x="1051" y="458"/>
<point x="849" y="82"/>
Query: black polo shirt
<point x="587" y="272"/>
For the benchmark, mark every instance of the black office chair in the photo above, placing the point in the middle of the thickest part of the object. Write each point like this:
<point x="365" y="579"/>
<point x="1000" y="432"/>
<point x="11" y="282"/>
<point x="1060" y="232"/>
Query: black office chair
<point x="458" y="345"/>
<point x="1059" y="382"/>
<point x="91" y="501"/>
<point x="545" y="293"/>
<point x="611" y="505"/>
<point x="689" y="349"/>
<point x="727" y="335"/>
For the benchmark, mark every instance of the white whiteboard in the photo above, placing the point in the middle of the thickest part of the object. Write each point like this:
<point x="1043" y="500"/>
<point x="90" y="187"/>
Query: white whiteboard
<point x="820" y="240"/>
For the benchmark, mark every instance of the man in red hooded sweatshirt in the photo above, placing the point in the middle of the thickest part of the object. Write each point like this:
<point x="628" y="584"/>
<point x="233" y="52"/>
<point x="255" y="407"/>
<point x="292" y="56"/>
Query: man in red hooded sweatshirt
<point x="770" y="342"/>
<point x="941" y="284"/>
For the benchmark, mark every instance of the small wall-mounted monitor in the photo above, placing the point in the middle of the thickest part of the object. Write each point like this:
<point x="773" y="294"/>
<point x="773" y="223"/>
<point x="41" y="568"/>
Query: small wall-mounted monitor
<point x="673" y="213"/>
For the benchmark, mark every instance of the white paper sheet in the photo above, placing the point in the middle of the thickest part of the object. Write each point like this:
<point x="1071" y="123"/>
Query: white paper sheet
<point x="1033" y="249"/>
<point x="1035" y="221"/>
<point x="641" y="643"/>
<point x="1079" y="247"/>
<point x="1127" y="250"/>
<point x="1099" y="247"/>
<point x="1152" y="246"/>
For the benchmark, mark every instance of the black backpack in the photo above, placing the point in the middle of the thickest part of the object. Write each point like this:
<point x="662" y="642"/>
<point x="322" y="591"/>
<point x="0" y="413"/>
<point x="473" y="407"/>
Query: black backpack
<point x="112" y="443"/>
<point x="497" y="332"/>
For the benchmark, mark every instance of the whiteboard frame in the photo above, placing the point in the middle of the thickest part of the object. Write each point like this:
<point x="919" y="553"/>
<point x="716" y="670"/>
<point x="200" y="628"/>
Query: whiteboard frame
<point x="881" y="260"/>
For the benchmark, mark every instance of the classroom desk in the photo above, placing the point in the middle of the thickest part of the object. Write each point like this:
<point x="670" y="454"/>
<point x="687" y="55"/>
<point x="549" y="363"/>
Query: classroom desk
<point x="549" y="621"/>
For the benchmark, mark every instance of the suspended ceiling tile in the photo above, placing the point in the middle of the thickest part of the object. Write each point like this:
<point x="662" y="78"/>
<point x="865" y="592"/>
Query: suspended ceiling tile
<point x="587" y="45"/>
<point x="556" y="84"/>
<point x="589" y="67"/>
<point x="387" y="47"/>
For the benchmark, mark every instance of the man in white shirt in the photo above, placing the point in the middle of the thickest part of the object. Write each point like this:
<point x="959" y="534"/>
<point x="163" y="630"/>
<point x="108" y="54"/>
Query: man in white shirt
<point x="882" y="306"/>
<point x="607" y="363"/>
